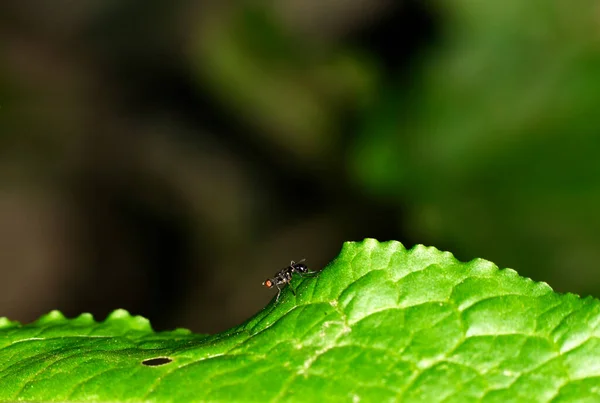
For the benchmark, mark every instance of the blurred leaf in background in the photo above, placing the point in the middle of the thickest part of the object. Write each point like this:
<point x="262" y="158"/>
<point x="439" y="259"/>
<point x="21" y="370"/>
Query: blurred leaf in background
<point x="493" y="146"/>
<point x="291" y="87"/>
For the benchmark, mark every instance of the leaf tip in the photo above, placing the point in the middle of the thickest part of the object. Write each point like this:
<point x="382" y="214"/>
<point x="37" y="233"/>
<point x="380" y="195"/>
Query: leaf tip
<point x="370" y="244"/>
<point x="6" y="323"/>
<point x="135" y="322"/>
<point x="85" y="317"/>
<point x="51" y="317"/>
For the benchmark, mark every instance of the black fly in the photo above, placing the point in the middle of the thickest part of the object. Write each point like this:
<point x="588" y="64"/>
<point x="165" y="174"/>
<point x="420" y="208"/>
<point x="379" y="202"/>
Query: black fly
<point x="284" y="276"/>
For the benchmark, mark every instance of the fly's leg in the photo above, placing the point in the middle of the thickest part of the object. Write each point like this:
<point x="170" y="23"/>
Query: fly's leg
<point x="278" y="292"/>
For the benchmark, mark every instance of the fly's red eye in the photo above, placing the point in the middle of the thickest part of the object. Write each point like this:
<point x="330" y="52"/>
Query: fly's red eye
<point x="268" y="283"/>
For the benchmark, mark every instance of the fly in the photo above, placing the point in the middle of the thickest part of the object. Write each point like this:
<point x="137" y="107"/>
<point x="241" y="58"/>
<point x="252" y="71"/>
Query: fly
<point x="284" y="276"/>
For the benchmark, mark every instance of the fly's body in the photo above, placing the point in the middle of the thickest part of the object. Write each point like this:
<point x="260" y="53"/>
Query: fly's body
<point x="284" y="276"/>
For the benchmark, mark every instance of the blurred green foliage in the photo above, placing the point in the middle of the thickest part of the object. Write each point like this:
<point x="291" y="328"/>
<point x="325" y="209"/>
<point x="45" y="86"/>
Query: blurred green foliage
<point x="292" y="89"/>
<point x="494" y="144"/>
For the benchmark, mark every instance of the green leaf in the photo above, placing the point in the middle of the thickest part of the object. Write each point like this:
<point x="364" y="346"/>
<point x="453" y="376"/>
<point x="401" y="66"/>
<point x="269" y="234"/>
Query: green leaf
<point x="380" y="323"/>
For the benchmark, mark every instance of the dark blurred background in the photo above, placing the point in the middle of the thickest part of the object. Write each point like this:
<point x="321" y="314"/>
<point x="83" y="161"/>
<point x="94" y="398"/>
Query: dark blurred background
<point x="166" y="157"/>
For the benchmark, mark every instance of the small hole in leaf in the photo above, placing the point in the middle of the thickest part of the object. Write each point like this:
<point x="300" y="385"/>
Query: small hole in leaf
<point x="155" y="362"/>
